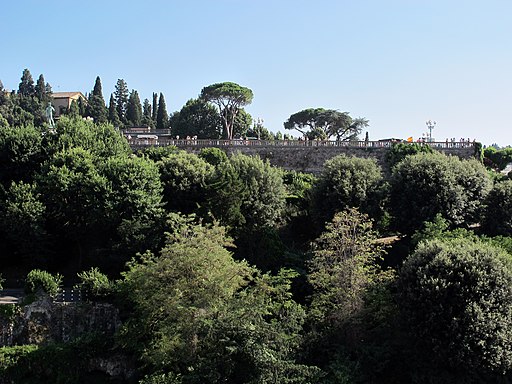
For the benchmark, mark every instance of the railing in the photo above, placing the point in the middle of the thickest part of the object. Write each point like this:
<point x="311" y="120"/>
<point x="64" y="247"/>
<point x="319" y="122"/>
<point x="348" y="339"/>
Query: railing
<point x="164" y="141"/>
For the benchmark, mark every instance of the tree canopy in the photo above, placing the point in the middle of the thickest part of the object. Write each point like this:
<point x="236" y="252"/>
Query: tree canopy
<point x="456" y="295"/>
<point x="229" y="98"/>
<point x="424" y="185"/>
<point x="325" y="123"/>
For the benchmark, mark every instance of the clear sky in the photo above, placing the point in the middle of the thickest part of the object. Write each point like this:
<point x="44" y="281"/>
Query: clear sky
<point x="397" y="63"/>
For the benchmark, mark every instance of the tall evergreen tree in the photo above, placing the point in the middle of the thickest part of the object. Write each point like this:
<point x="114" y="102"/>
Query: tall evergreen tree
<point x="147" y="119"/>
<point x="81" y="107"/>
<point x="113" y="117"/>
<point x="74" y="111"/>
<point x="3" y="94"/>
<point x="155" y="107"/>
<point x="121" y="93"/>
<point x="97" y="108"/>
<point x="134" y="109"/>
<point x="162" y="117"/>
<point x="40" y="89"/>
<point x="26" y="87"/>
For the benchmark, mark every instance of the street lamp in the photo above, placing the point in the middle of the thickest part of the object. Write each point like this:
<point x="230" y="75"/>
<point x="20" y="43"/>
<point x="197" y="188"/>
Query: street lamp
<point x="430" y="125"/>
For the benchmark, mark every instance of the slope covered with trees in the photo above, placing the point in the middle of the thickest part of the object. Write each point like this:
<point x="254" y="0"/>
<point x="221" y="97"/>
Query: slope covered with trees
<point x="228" y="270"/>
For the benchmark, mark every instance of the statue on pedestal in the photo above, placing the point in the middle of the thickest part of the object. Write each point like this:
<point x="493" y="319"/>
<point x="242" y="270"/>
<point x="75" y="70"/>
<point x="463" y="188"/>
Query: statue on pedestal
<point x="49" y="115"/>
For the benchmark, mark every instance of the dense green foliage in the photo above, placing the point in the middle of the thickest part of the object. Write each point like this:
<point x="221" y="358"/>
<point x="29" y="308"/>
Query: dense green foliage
<point x="203" y="317"/>
<point x="424" y="185"/>
<point x="497" y="218"/>
<point x="347" y="182"/>
<point x="94" y="284"/>
<point x="197" y="118"/>
<point x="226" y="269"/>
<point x="320" y="123"/>
<point x="185" y="178"/>
<point x="400" y="150"/>
<point x="497" y="159"/>
<point x="96" y="106"/>
<point x="229" y="98"/>
<point x="456" y="296"/>
<point x="41" y="280"/>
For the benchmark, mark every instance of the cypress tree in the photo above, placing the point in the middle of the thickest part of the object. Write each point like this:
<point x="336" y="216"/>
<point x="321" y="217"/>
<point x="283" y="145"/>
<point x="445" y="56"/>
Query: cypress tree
<point x="97" y="108"/>
<point x="81" y="107"/>
<point x="26" y="87"/>
<point x="147" y="118"/>
<point x="40" y="89"/>
<point x="74" y="111"/>
<point x="134" y="109"/>
<point x="113" y="117"/>
<point x="155" y="108"/>
<point x="121" y="94"/>
<point x="162" y="118"/>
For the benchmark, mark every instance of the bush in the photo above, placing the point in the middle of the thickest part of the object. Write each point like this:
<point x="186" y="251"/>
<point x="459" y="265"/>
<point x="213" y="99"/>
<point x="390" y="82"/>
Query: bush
<point x="38" y="280"/>
<point x="456" y="297"/>
<point x="497" y="218"/>
<point x="424" y="185"/>
<point x="94" y="284"/>
<point x="347" y="182"/>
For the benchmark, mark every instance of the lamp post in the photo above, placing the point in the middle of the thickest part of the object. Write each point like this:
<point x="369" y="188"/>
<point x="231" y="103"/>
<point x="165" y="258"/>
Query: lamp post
<point x="430" y="126"/>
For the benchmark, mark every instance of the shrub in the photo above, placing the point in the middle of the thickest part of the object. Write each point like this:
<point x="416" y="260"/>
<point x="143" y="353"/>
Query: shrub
<point x="38" y="280"/>
<point x="497" y="218"/>
<point x="94" y="284"/>
<point x="456" y="297"/>
<point x="347" y="182"/>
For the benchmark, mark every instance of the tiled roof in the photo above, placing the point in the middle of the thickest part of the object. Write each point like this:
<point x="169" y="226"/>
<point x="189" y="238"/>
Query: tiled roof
<point x="66" y="95"/>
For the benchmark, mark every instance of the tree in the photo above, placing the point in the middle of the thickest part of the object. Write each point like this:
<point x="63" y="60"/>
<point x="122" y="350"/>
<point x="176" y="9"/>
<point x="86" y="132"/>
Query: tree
<point x="227" y="323"/>
<point x="147" y="119"/>
<point x="400" y="150"/>
<point x="74" y="110"/>
<point x="347" y="182"/>
<point x="325" y="123"/>
<point x="456" y="297"/>
<point x="21" y="154"/>
<point x="248" y="191"/>
<point x="121" y="93"/>
<point x="154" y="110"/>
<point x="242" y="123"/>
<point x="134" y="110"/>
<point x="40" y="90"/>
<point x="3" y="94"/>
<point x="113" y="117"/>
<point x="96" y="107"/>
<point x="134" y="214"/>
<point x="22" y="220"/>
<point x="497" y="217"/>
<point x="197" y="118"/>
<point x="102" y="140"/>
<point x="424" y="185"/>
<point x="26" y="87"/>
<point x="75" y="193"/>
<point x="343" y="266"/>
<point x="497" y="159"/>
<point x="185" y="177"/>
<point x="229" y="98"/>
<point x="162" y="118"/>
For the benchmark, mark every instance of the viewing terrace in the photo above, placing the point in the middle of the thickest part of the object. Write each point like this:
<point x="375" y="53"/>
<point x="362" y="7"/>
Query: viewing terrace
<point x="299" y="155"/>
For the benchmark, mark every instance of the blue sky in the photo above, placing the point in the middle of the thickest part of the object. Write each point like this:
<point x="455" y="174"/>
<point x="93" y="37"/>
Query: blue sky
<point x="397" y="63"/>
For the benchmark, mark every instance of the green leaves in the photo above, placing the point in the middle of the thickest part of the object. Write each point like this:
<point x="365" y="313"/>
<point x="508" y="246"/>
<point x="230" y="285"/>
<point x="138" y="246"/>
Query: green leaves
<point x="346" y="182"/>
<point x="320" y="123"/>
<point x="229" y="98"/>
<point x="456" y="295"/>
<point x="206" y="318"/>
<point x="424" y="185"/>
